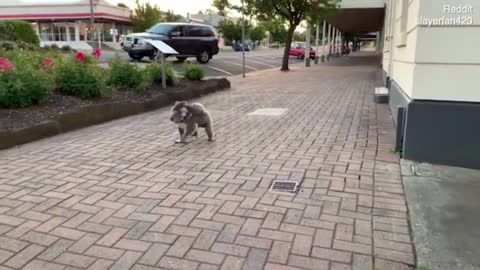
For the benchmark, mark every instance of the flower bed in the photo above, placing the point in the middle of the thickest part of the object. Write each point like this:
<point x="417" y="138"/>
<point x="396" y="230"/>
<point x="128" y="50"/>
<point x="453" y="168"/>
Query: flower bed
<point x="45" y="93"/>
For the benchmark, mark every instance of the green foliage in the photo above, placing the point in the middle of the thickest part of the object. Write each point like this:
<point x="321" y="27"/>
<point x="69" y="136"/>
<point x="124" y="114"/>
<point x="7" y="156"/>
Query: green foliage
<point x="54" y="46"/>
<point x="145" y="16"/>
<point x="169" y="16"/>
<point x="24" y="87"/>
<point x="124" y="76"/>
<point x="19" y="45"/>
<point x="292" y="11"/>
<point x="231" y="29"/>
<point x="81" y="79"/>
<point x="193" y="72"/>
<point x="122" y="5"/>
<point x="18" y="31"/>
<point x="297" y="36"/>
<point x="154" y="70"/>
<point x="258" y="33"/>
<point x="275" y="26"/>
<point x="66" y="48"/>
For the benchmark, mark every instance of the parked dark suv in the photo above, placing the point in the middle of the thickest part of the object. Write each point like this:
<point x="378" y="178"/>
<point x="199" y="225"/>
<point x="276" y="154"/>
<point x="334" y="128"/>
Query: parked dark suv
<point x="188" y="39"/>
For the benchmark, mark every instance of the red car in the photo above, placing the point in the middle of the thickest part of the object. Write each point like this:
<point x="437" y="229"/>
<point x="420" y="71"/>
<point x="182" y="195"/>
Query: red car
<point x="298" y="49"/>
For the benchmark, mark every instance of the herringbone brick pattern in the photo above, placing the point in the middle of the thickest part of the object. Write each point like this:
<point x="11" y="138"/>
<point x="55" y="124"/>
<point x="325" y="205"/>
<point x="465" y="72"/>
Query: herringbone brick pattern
<point x="123" y="196"/>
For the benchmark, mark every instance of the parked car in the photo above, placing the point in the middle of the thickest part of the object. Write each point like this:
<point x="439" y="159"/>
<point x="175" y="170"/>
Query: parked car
<point x="240" y="47"/>
<point x="188" y="39"/>
<point x="298" y="49"/>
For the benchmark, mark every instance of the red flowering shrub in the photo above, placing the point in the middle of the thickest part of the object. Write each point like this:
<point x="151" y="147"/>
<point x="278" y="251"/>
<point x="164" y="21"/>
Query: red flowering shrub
<point x="78" y="77"/>
<point x="5" y="65"/>
<point x="80" y="56"/>
<point x="47" y="63"/>
<point x="97" y="53"/>
<point x="24" y="86"/>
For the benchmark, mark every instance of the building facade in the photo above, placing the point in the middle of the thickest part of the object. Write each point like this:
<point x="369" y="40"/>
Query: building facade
<point x="68" y="21"/>
<point x="431" y="65"/>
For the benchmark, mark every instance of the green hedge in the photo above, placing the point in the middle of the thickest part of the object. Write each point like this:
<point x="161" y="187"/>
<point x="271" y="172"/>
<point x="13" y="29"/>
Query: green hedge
<point x="18" y="31"/>
<point x="193" y="72"/>
<point x="155" y="71"/>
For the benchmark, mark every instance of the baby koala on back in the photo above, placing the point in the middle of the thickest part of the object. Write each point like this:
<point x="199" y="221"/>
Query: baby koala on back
<point x="190" y="117"/>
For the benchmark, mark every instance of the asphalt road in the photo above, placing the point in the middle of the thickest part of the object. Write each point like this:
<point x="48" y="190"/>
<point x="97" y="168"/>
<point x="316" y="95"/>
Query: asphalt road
<point x="225" y="63"/>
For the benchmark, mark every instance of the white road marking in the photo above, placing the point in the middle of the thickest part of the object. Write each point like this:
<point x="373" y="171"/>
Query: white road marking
<point x="260" y="63"/>
<point x="219" y="70"/>
<point x="237" y="64"/>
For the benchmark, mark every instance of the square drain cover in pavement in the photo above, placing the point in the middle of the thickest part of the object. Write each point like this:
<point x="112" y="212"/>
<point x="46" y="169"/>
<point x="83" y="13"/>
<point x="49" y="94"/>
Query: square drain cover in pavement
<point x="284" y="186"/>
<point x="269" y="111"/>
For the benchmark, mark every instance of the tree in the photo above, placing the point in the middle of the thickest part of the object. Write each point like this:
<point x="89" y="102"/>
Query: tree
<point x="297" y="36"/>
<point x="231" y="29"/>
<point x="122" y="5"/>
<point x="169" y="16"/>
<point x="208" y="11"/>
<point x="257" y="34"/>
<point x="293" y="11"/>
<point x="145" y="16"/>
<point x="276" y="28"/>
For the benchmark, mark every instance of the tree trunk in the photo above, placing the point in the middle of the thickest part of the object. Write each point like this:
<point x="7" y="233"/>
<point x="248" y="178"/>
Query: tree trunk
<point x="288" y="43"/>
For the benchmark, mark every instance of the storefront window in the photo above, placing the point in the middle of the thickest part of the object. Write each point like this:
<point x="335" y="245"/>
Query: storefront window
<point x="72" y="33"/>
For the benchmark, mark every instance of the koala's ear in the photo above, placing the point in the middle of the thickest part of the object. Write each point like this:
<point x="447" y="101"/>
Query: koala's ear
<point x="181" y="102"/>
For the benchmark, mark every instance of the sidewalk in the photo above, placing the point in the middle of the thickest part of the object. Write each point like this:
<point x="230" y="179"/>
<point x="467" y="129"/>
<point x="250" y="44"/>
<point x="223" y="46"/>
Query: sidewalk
<point x="443" y="203"/>
<point x="123" y="196"/>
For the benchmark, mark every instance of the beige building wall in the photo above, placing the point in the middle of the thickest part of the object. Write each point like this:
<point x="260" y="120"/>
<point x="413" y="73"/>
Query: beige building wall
<point x="437" y="62"/>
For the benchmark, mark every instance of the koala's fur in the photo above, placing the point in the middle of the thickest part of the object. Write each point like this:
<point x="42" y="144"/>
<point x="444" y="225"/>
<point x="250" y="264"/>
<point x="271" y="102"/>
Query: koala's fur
<point x="190" y="117"/>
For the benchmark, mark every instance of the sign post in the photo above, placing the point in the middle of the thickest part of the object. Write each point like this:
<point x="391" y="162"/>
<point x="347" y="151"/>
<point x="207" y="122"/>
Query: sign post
<point x="162" y="49"/>
<point x="243" y="39"/>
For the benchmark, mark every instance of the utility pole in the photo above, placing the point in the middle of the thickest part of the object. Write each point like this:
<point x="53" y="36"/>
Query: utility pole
<point x="243" y="38"/>
<point x="92" y="23"/>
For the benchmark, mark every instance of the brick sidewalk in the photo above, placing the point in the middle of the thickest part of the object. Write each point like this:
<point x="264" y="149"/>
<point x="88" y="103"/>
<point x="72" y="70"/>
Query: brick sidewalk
<point x="123" y="196"/>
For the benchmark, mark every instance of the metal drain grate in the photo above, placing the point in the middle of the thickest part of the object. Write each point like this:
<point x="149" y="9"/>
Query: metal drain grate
<point x="284" y="186"/>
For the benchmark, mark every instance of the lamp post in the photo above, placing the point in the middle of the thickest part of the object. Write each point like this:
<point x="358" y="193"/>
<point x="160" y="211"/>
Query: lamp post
<point x="308" y="47"/>
<point x="243" y="38"/>
<point x="307" y="38"/>
<point x="316" y="43"/>
<point x="323" y="40"/>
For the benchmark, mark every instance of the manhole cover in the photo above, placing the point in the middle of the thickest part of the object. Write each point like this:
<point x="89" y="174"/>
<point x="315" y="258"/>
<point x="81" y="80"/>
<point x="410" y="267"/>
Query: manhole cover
<point x="284" y="186"/>
<point x="269" y="111"/>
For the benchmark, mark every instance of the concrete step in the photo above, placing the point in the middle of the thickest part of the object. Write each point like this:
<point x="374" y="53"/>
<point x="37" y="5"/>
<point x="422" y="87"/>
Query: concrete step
<point x="381" y="95"/>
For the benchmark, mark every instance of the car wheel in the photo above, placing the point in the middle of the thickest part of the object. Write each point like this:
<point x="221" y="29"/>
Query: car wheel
<point x="181" y="59"/>
<point x="203" y="57"/>
<point x="300" y="56"/>
<point x="137" y="57"/>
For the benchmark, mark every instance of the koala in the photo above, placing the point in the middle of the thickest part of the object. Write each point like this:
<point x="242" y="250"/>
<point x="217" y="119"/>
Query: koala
<point x="190" y="117"/>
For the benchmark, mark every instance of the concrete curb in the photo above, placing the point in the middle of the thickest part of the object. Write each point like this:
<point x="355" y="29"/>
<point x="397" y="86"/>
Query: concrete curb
<point x="100" y="113"/>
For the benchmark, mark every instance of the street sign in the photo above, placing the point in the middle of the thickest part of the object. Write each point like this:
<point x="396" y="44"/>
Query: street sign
<point x="161" y="46"/>
<point x="163" y="49"/>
